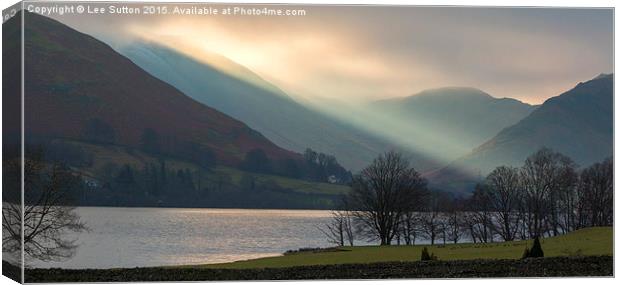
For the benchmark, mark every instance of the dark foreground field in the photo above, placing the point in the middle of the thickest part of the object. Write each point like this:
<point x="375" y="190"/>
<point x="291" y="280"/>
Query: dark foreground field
<point x="539" y="267"/>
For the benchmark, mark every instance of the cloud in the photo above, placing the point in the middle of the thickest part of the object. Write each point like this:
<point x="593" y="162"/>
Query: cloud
<point x="362" y="53"/>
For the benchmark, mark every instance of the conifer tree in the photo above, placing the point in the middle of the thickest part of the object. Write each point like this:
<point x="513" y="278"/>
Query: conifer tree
<point x="536" y="250"/>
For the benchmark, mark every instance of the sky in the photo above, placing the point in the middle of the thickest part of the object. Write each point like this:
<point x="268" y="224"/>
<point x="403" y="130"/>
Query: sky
<point x="360" y="53"/>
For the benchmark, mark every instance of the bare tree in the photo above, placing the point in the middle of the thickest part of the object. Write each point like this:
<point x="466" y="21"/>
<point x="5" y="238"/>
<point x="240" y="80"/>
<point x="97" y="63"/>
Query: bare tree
<point x="544" y="174"/>
<point x="454" y="220"/>
<point x="382" y="194"/>
<point x="409" y="227"/>
<point x="504" y="186"/>
<point x="481" y="214"/>
<point x="564" y="198"/>
<point x="432" y="220"/>
<point x="430" y="225"/>
<point x="47" y="216"/>
<point x="444" y="227"/>
<point x="595" y="195"/>
<point x="339" y="230"/>
<point x="469" y="226"/>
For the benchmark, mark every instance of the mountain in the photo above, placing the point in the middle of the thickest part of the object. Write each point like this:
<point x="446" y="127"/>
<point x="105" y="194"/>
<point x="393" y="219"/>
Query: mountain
<point x="449" y="122"/>
<point x="240" y="93"/>
<point x="577" y="123"/>
<point x="76" y="85"/>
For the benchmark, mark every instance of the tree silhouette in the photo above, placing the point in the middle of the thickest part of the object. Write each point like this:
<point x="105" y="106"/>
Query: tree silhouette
<point x="47" y="213"/>
<point x="383" y="193"/>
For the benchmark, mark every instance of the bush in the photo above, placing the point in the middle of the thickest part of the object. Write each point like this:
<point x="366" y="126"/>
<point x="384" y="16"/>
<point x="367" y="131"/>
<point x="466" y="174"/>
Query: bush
<point x="536" y="250"/>
<point x="426" y="256"/>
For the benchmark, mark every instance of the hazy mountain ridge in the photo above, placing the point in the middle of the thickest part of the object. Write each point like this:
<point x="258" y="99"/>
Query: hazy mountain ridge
<point x="457" y="118"/>
<point x="577" y="123"/>
<point x="262" y="106"/>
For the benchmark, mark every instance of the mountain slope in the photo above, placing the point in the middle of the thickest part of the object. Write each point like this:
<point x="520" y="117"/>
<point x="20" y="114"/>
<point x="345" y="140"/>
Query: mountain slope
<point x="73" y="79"/>
<point x="258" y="103"/>
<point x="577" y="123"/>
<point x="452" y="121"/>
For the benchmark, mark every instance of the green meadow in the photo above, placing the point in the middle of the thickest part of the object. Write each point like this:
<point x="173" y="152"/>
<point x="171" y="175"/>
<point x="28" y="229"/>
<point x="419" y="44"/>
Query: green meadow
<point x="584" y="242"/>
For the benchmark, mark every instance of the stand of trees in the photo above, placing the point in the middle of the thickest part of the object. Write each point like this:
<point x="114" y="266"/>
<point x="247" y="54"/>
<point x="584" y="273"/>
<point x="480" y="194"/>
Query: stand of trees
<point x="147" y="185"/>
<point x="316" y="166"/>
<point x="547" y="196"/>
<point x="320" y="167"/>
<point x="166" y="184"/>
<point x="156" y="182"/>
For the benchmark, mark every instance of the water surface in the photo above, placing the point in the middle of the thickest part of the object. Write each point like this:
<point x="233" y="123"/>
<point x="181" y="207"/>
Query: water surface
<point x="137" y="237"/>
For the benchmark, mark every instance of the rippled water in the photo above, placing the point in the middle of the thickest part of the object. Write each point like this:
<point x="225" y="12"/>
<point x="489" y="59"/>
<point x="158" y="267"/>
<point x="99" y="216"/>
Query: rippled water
<point x="131" y="237"/>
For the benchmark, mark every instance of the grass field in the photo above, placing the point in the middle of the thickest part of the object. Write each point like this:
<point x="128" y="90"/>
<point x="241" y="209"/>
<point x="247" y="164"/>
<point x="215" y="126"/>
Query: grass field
<point x="591" y="241"/>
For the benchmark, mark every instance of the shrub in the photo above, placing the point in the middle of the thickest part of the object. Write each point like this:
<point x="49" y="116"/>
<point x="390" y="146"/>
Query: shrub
<point x="426" y="256"/>
<point x="536" y="250"/>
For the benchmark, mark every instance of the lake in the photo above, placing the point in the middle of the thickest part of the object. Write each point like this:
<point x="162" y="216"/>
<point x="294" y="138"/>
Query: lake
<point x="137" y="237"/>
